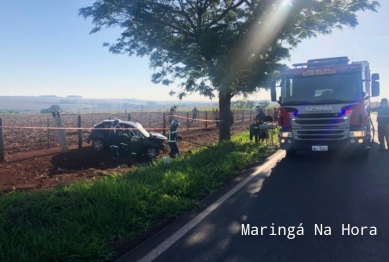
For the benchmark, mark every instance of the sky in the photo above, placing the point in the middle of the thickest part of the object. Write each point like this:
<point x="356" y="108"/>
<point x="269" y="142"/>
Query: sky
<point x="46" y="49"/>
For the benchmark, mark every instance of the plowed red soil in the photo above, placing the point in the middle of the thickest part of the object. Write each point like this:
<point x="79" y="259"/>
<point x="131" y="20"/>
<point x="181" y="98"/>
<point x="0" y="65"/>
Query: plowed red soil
<point x="46" y="168"/>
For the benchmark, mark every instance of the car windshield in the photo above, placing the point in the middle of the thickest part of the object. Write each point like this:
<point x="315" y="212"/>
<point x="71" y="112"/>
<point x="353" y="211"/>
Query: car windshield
<point x="326" y="89"/>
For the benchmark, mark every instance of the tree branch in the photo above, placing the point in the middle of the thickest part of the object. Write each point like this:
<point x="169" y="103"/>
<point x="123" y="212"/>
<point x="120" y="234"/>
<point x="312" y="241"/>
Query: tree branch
<point x="186" y="15"/>
<point x="232" y="7"/>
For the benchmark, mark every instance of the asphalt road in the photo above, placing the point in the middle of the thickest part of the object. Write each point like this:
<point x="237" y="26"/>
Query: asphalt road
<point x="308" y="190"/>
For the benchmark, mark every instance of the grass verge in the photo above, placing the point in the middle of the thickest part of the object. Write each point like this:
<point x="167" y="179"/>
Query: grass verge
<point x="84" y="220"/>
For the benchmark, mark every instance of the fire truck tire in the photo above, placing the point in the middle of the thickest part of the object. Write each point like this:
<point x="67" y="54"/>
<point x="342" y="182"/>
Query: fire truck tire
<point x="290" y="152"/>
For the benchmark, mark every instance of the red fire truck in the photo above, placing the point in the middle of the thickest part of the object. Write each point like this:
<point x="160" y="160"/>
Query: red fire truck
<point x="324" y="106"/>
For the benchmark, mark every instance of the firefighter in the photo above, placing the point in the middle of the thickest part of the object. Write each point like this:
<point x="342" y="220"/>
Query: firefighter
<point x="261" y="115"/>
<point x="125" y="144"/>
<point x="255" y="130"/>
<point x="114" y="137"/>
<point x="383" y="123"/>
<point x="195" y="112"/>
<point x="217" y="117"/>
<point x="172" y="138"/>
<point x="275" y="114"/>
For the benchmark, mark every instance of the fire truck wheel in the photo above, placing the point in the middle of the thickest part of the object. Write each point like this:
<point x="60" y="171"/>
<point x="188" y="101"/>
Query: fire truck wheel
<point x="290" y="152"/>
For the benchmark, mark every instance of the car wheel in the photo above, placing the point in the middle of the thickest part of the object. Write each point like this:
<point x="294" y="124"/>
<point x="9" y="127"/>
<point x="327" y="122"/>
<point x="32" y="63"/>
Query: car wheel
<point x="97" y="144"/>
<point x="151" y="152"/>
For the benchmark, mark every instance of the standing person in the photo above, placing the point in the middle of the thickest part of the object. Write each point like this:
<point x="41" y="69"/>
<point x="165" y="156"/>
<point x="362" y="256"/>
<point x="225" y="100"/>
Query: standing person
<point x="383" y="123"/>
<point x="172" y="138"/>
<point x="125" y="144"/>
<point x="275" y="114"/>
<point x="194" y="113"/>
<point x="255" y="131"/>
<point x="217" y="117"/>
<point x="114" y="138"/>
<point x="268" y="118"/>
<point x="261" y="115"/>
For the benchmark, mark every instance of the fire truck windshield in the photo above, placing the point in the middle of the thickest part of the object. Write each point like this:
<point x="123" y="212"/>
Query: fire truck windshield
<point x="324" y="89"/>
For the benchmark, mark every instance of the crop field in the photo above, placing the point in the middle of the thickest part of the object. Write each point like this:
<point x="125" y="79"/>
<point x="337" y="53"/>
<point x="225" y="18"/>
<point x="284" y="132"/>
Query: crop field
<point x="23" y="133"/>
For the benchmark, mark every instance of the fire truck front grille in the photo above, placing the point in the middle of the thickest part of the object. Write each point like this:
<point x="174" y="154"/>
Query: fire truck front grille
<point x="335" y="121"/>
<point x="321" y="134"/>
<point x="318" y="115"/>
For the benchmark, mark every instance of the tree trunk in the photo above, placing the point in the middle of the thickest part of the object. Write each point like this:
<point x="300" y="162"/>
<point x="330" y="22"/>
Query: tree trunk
<point x="225" y="116"/>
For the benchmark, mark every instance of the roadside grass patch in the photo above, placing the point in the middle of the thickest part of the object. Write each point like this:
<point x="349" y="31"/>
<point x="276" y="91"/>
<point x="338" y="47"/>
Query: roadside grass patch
<point x="84" y="220"/>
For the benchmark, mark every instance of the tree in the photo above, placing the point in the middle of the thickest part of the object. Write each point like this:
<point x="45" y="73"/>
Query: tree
<point x="51" y="109"/>
<point x="239" y="104"/>
<point x="223" y="47"/>
<point x="250" y="104"/>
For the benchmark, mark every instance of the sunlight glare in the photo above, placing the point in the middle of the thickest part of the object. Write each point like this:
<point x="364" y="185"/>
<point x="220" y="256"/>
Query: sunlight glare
<point x="269" y="26"/>
<point x="287" y="3"/>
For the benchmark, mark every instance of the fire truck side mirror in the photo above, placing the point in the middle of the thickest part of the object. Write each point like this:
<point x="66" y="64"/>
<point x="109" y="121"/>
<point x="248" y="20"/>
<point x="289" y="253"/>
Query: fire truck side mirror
<point x="273" y="92"/>
<point x="375" y="77"/>
<point x="375" y="88"/>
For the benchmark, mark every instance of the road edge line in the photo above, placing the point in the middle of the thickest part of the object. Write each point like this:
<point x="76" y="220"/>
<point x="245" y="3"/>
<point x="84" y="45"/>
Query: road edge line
<point x="274" y="158"/>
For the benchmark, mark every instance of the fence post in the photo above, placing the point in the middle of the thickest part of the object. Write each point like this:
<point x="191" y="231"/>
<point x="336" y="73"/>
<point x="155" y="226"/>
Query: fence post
<point x="129" y="117"/>
<point x="242" y="115"/>
<point x="79" y="132"/>
<point x="206" y="119"/>
<point x="1" y="142"/>
<point x="187" y="121"/>
<point x="251" y="116"/>
<point x="164" y="124"/>
<point x="48" y="132"/>
<point x="60" y="132"/>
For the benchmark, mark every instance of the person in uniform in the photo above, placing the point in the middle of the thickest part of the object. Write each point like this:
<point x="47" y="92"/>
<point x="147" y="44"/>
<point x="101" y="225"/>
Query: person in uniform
<point x="260" y="115"/>
<point x="275" y="114"/>
<point x="217" y="117"/>
<point x="172" y="138"/>
<point x="383" y="123"/>
<point x="125" y="144"/>
<point x="255" y="130"/>
<point x="194" y="114"/>
<point x="114" y="137"/>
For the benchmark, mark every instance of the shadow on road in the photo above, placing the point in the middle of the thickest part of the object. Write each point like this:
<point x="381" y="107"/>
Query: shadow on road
<point x="308" y="189"/>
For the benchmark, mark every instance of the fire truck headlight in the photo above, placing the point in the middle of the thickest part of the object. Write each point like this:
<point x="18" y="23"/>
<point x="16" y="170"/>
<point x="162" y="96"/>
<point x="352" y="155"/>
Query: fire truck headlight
<point x="286" y="134"/>
<point x="357" y="133"/>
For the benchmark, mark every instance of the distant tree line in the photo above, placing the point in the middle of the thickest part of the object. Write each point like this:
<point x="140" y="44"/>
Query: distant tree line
<point x="10" y="111"/>
<point x="249" y="105"/>
<point x="68" y="101"/>
<point x="51" y="109"/>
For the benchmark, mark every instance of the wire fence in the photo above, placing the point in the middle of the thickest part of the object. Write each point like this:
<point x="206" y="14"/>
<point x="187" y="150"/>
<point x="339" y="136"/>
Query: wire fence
<point x="23" y="133"/>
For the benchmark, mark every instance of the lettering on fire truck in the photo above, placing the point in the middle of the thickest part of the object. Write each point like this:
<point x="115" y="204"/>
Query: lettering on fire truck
<point x="318" y="108"/>
<point x="319" y="72"/>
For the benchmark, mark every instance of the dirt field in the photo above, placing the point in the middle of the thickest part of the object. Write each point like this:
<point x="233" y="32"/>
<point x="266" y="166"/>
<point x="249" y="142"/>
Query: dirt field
<point x="25" y="133"/>
<point x="46" y="168"/>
